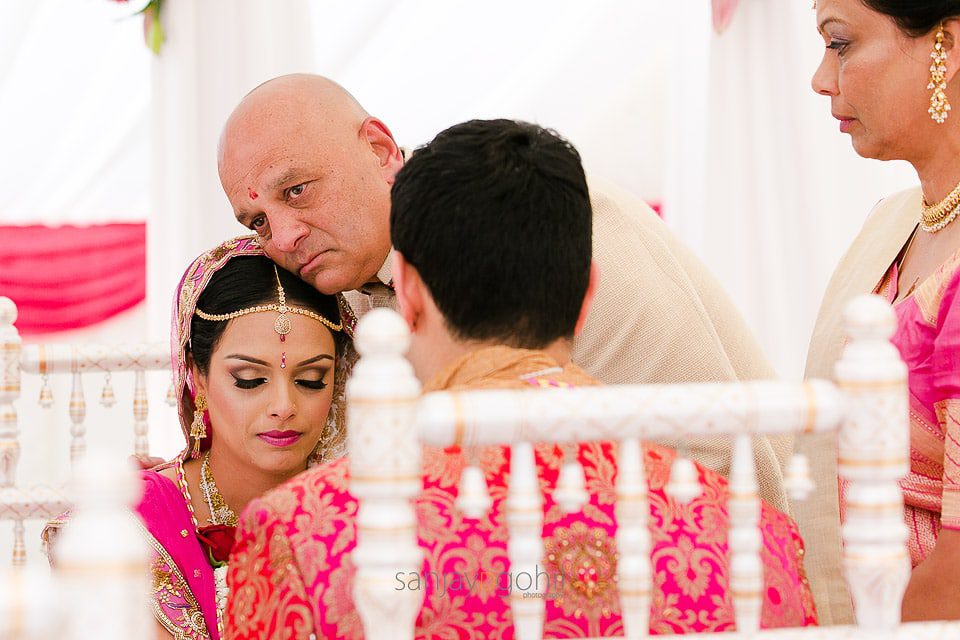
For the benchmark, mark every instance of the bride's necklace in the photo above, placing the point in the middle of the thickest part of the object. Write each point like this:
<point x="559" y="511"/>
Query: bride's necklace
<point x="935" y="217"/>
<point x="220" y="511"/>
<point x="221" y="591"/>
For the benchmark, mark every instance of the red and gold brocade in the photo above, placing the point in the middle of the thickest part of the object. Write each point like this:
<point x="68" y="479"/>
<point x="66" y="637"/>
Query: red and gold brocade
<point x="290" y="575"/>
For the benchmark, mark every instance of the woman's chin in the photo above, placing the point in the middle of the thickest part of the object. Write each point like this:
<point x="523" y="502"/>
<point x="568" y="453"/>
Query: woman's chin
<point x="287" y="463"/>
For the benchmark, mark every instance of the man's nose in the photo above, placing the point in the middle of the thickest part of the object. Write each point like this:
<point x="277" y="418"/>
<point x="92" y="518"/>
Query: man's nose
<point x="286" y="231"/>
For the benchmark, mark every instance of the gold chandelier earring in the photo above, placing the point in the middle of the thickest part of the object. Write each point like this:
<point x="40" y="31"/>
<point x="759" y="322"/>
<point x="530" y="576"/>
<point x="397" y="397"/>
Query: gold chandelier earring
<point x="939" y="105"/>
<point x="198" y="428"/>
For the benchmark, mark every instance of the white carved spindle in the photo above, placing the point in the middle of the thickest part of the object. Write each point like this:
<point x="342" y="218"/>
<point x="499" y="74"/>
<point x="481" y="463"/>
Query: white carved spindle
<point x="141" y="445"/>
<point x="746" y="569"/>
<point x="385" y="474"/>
<point x="571" y="492"/>
<point x="9" y="392"/>
<point x="19" y="544"/>
<point x="473" y="497"/>
<point x="78" y="413"/>
<point x="684" y="483"/>
<point x="102" y="556"/>
<point x="525" y="547"/>
<point x="874" y="448"/>
<point x="797" y="479"/>
<point x="633" y="540"/>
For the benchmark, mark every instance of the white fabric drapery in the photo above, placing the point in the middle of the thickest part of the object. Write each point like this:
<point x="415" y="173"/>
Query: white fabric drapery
<point x="778" y="192"/>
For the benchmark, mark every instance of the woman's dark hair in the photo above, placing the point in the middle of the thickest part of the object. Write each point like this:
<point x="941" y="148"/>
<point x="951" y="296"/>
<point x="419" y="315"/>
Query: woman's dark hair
<point x="916" y="17"/>
<point x="247" y="281"/>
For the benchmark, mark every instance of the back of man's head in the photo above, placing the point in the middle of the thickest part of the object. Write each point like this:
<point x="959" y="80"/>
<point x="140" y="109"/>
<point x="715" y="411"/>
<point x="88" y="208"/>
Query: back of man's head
<point x="495" y="216"/>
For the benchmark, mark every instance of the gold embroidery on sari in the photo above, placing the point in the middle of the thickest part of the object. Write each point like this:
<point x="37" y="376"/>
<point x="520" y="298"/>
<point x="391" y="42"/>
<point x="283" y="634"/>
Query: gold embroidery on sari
<point x="172" y="595"/>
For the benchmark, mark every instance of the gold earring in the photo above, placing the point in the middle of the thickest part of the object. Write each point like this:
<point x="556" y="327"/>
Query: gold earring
<point x="939" y="105"/>
<point x="198" y="429"/>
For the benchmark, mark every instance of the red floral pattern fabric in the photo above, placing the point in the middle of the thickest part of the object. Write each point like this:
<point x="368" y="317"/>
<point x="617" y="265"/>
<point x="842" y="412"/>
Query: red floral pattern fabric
<point x="290" y="575"/>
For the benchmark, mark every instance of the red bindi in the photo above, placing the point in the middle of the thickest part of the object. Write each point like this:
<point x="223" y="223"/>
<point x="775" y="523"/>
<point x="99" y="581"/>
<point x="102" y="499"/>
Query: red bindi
<point x="253" y="194"/>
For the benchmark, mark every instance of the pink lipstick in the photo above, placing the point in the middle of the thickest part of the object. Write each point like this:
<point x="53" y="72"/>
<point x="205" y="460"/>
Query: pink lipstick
<point x="280" y="438"/>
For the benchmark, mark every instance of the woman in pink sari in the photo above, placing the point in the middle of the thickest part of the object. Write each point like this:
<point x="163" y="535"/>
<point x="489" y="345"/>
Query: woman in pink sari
<point x="254" y="352"/>
<point x="889" y="68"/>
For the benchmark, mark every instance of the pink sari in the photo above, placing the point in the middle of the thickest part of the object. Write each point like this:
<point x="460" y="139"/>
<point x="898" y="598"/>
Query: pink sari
<point x="928" y="337"/>
<point x="291" y="568"/>
<point x="184" y="599"/>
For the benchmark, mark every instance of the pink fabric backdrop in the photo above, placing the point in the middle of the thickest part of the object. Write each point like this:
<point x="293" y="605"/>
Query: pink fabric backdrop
<point x="71" y="277"/>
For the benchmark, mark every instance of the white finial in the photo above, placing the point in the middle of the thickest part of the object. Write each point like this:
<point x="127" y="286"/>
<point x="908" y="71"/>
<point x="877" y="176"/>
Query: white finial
<point x="869" y="317"/>
<point x="382" y="332"/>
<point x="8" y="312"/>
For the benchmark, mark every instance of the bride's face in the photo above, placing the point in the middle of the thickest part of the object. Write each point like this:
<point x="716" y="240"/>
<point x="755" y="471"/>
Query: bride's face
<point x="268" y="400"/>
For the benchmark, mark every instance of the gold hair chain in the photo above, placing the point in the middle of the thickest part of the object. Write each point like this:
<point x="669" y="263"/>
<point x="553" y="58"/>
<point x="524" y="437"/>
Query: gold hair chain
<point x="282" y="323"/>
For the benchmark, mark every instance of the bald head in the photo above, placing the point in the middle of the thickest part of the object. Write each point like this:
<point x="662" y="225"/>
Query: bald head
<point x="291" y="100"/>
<point x="307" y="168"/>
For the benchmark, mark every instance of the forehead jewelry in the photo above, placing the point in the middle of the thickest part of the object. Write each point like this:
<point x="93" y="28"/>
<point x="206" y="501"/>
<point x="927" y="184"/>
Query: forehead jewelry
<point x="283" y="360"/>
<point x="282" y="324"/>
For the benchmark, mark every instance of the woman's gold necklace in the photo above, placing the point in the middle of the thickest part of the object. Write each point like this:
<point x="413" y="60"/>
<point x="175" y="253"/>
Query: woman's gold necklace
<point x="935" y="217"/>
<point x="220" y="511"/>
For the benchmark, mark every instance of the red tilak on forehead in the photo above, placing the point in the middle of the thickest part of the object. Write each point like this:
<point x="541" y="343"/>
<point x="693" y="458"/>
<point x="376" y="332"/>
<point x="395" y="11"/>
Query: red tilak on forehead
<point x="253" y="194"/>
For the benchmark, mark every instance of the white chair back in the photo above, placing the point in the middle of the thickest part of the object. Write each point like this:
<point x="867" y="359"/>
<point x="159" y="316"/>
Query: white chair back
<point x="18" y="502"/>
<point x="389" y="422"/>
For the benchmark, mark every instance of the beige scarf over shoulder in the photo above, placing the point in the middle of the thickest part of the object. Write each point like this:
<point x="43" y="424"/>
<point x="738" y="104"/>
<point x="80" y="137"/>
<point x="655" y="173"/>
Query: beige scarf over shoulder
<point x="868" y="259"/>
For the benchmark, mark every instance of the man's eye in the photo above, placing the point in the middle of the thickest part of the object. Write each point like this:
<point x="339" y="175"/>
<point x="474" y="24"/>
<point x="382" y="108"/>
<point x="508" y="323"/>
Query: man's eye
<point x="296" y="191"/>
<point x="258" y="222"/>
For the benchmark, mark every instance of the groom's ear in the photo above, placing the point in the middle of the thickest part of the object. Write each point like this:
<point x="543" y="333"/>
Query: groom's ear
<point x="409" y="289"/>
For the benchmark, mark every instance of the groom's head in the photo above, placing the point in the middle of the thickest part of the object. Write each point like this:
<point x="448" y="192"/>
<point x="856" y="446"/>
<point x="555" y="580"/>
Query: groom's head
<point x="492" y="224"/>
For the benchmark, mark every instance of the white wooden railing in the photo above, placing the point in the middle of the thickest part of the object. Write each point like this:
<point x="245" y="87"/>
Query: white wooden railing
<point x="19" y="502"/>
<point x="867" y="406"/>
<point x="100" y="586"/>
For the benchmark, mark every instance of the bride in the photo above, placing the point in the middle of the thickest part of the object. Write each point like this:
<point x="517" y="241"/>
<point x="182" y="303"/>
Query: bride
<point x="254" y="356"/>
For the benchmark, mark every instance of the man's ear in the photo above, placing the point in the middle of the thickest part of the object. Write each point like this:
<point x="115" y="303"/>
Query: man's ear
<point x="381" y="141"/>
<point x="409" y="289"/>
<point x="592" y="285"/>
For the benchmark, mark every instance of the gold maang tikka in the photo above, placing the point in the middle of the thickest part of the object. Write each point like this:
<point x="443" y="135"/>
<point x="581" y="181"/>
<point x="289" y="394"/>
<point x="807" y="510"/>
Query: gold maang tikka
<point x="282" y="324"/>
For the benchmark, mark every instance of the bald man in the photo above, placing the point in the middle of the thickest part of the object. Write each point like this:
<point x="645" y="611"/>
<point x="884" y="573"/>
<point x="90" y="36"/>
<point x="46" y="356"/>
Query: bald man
<point x="309" y="170"/>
